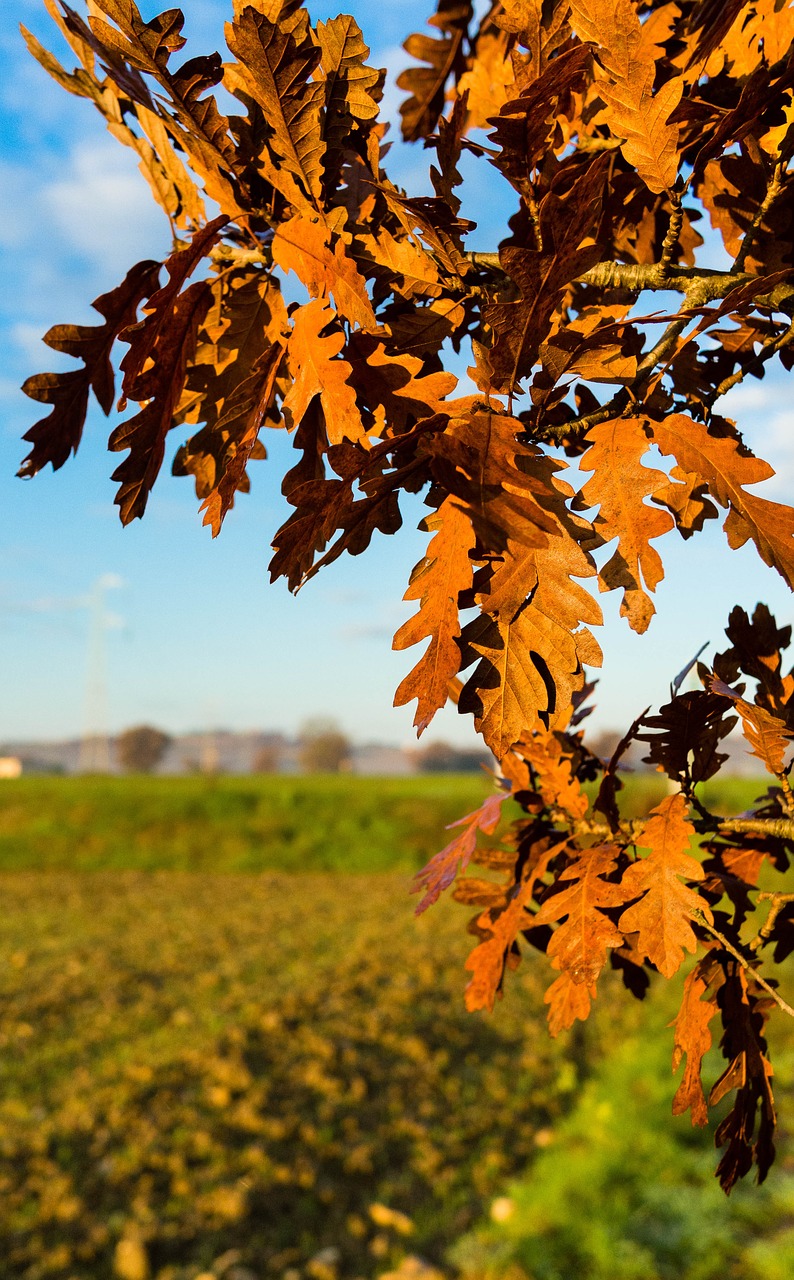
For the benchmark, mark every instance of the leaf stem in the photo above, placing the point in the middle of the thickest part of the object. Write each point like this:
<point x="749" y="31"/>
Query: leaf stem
<point x="744" y="962"/>
<point x="772" y="192"/>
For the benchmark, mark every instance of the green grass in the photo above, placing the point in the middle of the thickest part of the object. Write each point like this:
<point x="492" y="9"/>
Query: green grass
<point x="264" y="823"/>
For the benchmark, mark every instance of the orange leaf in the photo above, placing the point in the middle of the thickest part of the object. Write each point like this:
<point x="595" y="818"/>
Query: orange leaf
<point x="579" y="946"/>
<point x="633" y="111"/>
<point x="487" y="961"/>
<point x="662" y="917"/>
<point x="426" y="83"/>
<point x="558" y="784"/>
<point x="305" y="248"/>
<point x="693" y="1038"/>
<point x="316" y="372"/>
<point x="276" y="62"/>
<point x="619" y="485"/>
<point x="437" y="581"/>
<point x="442" y="869"/>
<point x="567" y="1000"/>
<point x="768" y="736"/>
<point x="727" y="467"/>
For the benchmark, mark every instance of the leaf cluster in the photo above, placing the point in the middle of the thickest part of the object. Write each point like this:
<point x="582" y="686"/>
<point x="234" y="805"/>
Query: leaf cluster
<point x="618" y="126"/>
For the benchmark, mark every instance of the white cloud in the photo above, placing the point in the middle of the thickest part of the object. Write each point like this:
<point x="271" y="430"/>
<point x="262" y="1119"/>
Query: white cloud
<point x="101" y="208"/>
<point x="764" y="414"/>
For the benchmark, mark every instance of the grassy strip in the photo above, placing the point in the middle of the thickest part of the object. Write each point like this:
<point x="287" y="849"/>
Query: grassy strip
<point x="259" y="823"/>
<point x="265" y="823"/>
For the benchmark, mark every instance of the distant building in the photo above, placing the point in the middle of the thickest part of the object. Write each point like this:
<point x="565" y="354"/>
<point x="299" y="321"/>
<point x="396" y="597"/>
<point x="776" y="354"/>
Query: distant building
<point x="10" y="767"/>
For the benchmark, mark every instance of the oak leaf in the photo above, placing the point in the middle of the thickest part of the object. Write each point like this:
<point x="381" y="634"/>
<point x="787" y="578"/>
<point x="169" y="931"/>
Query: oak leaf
<point x="552" y="766"/>
<point x="634" y="112"/>
<point x="441" y="870"/>
<point x="580" y="945"/>
<point x="437" y="581"/>
<point x="727" y="468"/>
<point x="663" y="916"/>
<point x="426" y="84"/>
<point x="304" y="247"/>
<point x="685" y="735"/>
<point x="317" y="370"/>
<point x="486" y="962"/>
<point x="768" y="736"/>
<point x="145" y="337"/>
<point x="56" y="436"/>
<point x="619" y="486"/>
<point x="692" y="1036"/>
<point x="160" y="388"/>
<point x="276" y="66"/>
<point x="569" y="1001"/>
<point x="239" y="425"/>
<point x="567" y="225"/>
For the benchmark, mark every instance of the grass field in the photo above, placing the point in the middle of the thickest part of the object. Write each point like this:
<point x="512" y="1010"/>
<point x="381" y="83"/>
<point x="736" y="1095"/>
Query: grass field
<point x="264" y="823"/>
<point x="271" y="1076"/>
<point x="255" y="823"/>
<point x="196" y="1066"/>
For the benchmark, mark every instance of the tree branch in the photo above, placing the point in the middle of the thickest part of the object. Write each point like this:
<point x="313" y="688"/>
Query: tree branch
<point x="639" y="276"/>
<point x="768" y="350"/>
<point x="782" y="828"/>
<point x="772" y="192"/>
<point x="745" y="963"/>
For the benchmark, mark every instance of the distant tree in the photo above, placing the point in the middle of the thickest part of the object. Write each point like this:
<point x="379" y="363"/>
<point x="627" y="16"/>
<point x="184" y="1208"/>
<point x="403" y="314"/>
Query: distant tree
<point x="442" y="757"/>
<point x="323" y="748"/>
<point x="266" y="759"/>
<point x="141" y="749"/>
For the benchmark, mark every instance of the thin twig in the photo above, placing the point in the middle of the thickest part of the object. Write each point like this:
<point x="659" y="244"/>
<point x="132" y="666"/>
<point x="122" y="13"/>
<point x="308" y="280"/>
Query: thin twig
<point x="673" y="232"/>
<point x="744" y="962"/>
<point x="783" y="828"/>
<point x="768" y="350"/>
<point x="778" y="901"/>
<point x="637" y="277"/>
<point x="772" y="193"/>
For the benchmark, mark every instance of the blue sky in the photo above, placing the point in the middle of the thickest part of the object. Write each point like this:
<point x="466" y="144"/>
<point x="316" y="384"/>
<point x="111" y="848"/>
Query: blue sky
<point x="197" y="637"/>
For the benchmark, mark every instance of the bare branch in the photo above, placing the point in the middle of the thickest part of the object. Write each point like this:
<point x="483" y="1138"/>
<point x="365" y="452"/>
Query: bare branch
<point x="745" y="963"/>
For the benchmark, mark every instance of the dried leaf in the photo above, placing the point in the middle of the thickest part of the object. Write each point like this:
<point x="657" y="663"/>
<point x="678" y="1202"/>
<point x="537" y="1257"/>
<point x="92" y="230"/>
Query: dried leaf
<point x="663" y="916"/>
<point x="727" y="467"/>
<point x="634" y="112"/>
<point x="441" y="870"/>
<point x="305" y="248"/>
<point x="768" y="736"/>
<point x="56" y="436"/>
<point x="580" y="945"/>
<point x="316" y="371"/>
<point x="160" y="388"/>
<point x="276" y="66"/>
<point x="437" y="581"/>
<point x="618" y="487"/>
<point x="692" y="1036"/>
<point x="443" y="57"/>
<point x="486" y="963"/>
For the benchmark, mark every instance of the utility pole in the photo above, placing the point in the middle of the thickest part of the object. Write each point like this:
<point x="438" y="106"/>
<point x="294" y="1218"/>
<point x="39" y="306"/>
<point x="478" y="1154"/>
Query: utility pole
<point x="95" y="744"/>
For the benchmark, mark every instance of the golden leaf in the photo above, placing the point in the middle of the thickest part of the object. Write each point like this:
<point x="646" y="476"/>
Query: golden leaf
<point x="768" y="736"/>
<point x="726" y="467"/>
<point x="437" y="581"/>
<point x="663" y="917"/>
<point x="275" y="65"/>
<point x="305" y="248"/>
<point x="618" y="487"/>
<point x="316" y="372"/>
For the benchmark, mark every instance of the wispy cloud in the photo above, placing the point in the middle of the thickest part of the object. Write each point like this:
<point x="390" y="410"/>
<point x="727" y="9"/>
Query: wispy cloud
<point x="764" y="414"/>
